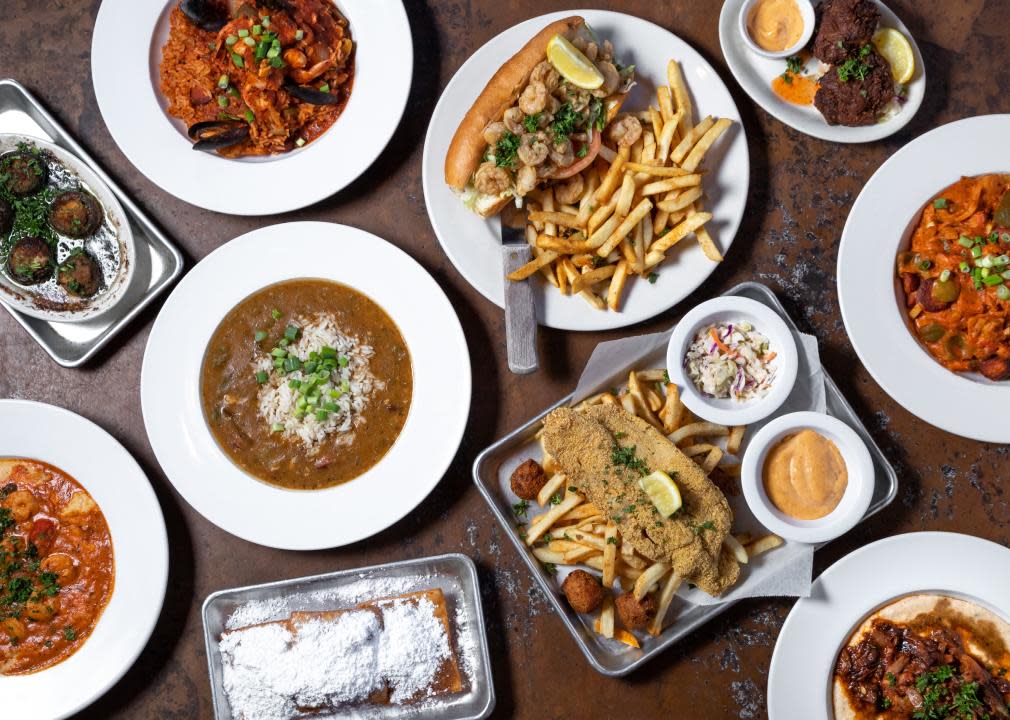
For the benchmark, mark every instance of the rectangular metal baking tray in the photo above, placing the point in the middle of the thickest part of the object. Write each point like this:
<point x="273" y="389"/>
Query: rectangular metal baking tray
<point x="158" y="264"/>
<point x="454" y="573"/>
<point x="607" y="656"/>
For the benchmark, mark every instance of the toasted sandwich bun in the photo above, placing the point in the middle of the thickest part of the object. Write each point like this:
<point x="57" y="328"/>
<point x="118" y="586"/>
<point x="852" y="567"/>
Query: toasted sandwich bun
<point x="973" y="623"/>
<point x="502" y="92"/>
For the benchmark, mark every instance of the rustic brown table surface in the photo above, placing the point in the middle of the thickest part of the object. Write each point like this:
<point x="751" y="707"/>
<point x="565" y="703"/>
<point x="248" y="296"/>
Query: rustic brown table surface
<point x="801" y="191"/>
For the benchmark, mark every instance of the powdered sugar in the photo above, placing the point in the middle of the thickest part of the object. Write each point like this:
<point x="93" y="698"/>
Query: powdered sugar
<point x="412" y="647"/>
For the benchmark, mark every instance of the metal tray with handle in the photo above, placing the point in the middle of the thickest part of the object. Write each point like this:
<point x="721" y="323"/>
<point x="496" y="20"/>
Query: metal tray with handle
<point x="494" y="465"/>
<point x="158" y="262"/>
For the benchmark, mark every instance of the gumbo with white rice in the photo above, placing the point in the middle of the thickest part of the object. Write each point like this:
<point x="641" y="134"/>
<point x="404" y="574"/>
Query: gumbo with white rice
<point x="306" y="384"/>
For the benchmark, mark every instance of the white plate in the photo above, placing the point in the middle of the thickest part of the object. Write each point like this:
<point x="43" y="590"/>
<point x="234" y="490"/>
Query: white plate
<point x="21" y="297"/>
<point x="126" y="53"/>
<point x="880" y="222"/>
<point x="801" y="672"/>
<point x="139" y="544"/>
<point x="474" y="245"/>
<point x="755" y="75"/>
<point x="734" y="309"/>
<point x="293" y="519"/>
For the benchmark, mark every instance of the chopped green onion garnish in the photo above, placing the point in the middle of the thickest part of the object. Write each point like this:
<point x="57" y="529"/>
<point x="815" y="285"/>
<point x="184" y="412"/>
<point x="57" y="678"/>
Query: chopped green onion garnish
<point x="940" y="203"/>
<point x="1003" y="292"/>
<point x="261" y="377"/>
<point x="257" y="29"/>
<point x="265" y="20"/>
<point x="279" y="352"/>
<point x="925" y="264"/>
<point x="992" y="280"/>
<point x="243" y="33"/>
<point x="237" y="59"/>
<point x="964" y="267"/>
<point x="299" y="34"/>
<point x="328" y="352"/>
<point x="325" y="87"/>
<point x="222" y="82"/>
<point x="230" y="40"/>
<point x="278" y="363"/>
<point x="321" y="415"/>
<point x="260" y="335"/>
<point x="976" y="252"/>
<point x="222" y="101"/>
<point x="945" y="276"/>
<point x="276" y="314"/>
<point x="277" y="427"/>
<point x="984" y="272"/>
<point x="249" y="41"/>
<point x="964" y="241"/>
<point x="300" y="141"/>
<point x="331" y="407"/>
<point x="343" y="361"/>
<point x="1005" y="274"/>
<point x="249" y="116"/>
<point x="291" y="332"/>
<point x="310" y="366"/>
<point x="283" y="342"/>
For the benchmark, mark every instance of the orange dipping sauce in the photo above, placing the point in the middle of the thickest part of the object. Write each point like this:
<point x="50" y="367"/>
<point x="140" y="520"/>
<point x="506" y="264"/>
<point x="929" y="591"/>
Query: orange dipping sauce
<point x="797" y="89"/>
<point x="775" y="25"/>
<point x="805" y="475"/>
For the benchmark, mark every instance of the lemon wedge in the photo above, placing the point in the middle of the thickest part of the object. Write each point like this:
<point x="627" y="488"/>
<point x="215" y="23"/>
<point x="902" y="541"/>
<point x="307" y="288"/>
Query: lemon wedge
<point x="572" y="64"/>
<point x="895" y="48"/>
<point x="663" y="492"/>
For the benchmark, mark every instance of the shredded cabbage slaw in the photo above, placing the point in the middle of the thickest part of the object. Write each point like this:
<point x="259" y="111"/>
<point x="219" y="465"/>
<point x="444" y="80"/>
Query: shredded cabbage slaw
<point x="731" y="360"/>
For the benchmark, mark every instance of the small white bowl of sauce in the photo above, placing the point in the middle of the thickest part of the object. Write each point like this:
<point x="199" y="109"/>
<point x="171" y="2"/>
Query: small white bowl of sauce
<point x="807" y="477"/>
<point x="777" y="28"/>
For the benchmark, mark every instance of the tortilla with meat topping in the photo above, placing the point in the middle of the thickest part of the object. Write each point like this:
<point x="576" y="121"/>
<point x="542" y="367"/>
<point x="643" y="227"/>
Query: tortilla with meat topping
<point x="925" y="656"/>
<point x="605" y="451"/>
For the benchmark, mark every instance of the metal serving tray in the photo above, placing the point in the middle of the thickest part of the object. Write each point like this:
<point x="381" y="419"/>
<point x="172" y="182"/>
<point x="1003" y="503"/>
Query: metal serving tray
<point x="491" y="471"/>
<point x="158" y="261"/>
<point x="455" y="574"/>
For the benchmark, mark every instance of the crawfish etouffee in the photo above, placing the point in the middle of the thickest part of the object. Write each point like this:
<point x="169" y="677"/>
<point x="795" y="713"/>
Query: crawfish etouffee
<point x="956" y="276"/>
<point x="256" y="77"/>
<point x="56" y="565"/>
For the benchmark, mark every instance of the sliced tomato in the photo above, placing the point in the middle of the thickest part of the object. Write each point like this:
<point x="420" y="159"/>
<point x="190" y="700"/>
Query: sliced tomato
<point x="583" y="163"/>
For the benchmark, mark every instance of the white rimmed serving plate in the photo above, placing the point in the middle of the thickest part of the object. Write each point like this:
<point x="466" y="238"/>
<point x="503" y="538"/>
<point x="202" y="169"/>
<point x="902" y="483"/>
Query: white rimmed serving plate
<point x="858" y="465"/>
<point x="474" y="244"/>
<point x="125" y="59"/>
<point x="734" y="309"/>
<point x="879" y="225"/>
<point x="293" y="519"/>
<point x="140" y="550"/>
<point x="755" y="74"/>
<point x="801" y="672"/>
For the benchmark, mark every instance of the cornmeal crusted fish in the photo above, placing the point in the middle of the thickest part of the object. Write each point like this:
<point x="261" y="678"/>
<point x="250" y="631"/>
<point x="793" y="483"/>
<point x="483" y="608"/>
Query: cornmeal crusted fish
<point x="605" y="451"/>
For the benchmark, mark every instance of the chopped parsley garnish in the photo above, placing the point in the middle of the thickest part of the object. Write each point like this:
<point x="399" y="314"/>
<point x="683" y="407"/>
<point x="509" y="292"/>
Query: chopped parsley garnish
<point x="551" y="568"/>
<point x="565" y="120"/>
<point x="854" y="68"/>
<point x="520" y="508"/>
<point x="653" y="277"/>
<point x="707" y="525"/>
<point x="612" y="540"/>
<point x="556" y="499"/>
<point x="794" y="65"/>
<point x="506" y="149"/>
<point x="69" y="633"/>
<point x="626" y="457"/>
<point x="582" y="151"/>
<point x="532" y="122"/>
<point x="666" y="377"/>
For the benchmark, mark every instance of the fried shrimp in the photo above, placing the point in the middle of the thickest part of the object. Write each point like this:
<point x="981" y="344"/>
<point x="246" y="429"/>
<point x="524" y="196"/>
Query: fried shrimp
<point x="625" y="131"/>
<point x="491" y="179"/>
<point x="569" y="191"/>
<point x="533" y="149"/>
<point x="534" y="98"/>
<point x="493" y="132"/>
<point x="513" y="119"/>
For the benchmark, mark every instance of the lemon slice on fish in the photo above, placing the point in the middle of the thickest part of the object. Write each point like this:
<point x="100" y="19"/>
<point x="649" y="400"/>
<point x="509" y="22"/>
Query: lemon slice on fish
<point x="663" y="492"/>
<point x="895" y="48"/>
<point x="572" y="64"/>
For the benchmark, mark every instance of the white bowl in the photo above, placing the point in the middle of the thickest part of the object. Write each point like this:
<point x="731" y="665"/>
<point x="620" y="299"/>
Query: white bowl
<point x="858" y="465"/>
<point x="806" y="9"/>
<point x="727" y="411"/>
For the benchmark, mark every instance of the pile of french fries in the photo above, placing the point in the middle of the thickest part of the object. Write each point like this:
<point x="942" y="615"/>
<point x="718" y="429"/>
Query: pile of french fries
<point x="572" y="531"/>
<point x="636" y="204"/>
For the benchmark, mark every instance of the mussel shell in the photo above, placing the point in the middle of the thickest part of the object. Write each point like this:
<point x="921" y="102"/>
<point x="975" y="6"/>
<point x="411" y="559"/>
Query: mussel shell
<point x="213" y="134"/>
<point x="312" y="96"/>
<point x="209" y="15"/>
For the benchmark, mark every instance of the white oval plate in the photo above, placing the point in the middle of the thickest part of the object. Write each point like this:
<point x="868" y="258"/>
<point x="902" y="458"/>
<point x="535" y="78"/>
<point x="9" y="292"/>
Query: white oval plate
<point x="801" y="671"/>
<point x="139" y="545"/>
<point x="299" y="519"/>
<point x="126" y="53"/>
<point x="879" y="223"/>
<point x="21" y="298"/>
<point x="474" y="244"/>
<point x="755" y="75"/>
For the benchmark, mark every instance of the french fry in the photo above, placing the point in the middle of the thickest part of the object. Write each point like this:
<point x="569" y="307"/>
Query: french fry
<point x="735" y="438"/>
<point x="697" y="153"/>
<point x="698" y="449"/>
<point x="604" y="231"/>
<point x="690" y="139"/>
<point x="711" y="460"/>
<point x="625" y="195"/>
<point x="558" y="218"/>
<point x="626" y="226"/>
<point x="607" y="617"/>
<point x="679" y="89"/>
<point x="670" y="587"/>
<point x="654" y="401"/>
<point x="549" y="556"/>
<point x="666" y="137"/>
<point x="672" y="409"/>
<point x="585" y="538"/>
<point x="683" y="200"/>
<point x="665" y="103"/>
<point x="657" y="120"/>
<point x="609" y="555"/>
<point x="587" y="204"/>
<point x="656" y="170"/>
<point x="736" y="549"/>
<point x="555" y="483"/>
<point x="617" y="283"/>
<point x="704" y="429"/>
<point x="569" y="246"/>
<point x="653" y="375"/>
<point x="743" y="538"/>
<point x="763" y="545"/>
<point x="641" y="405"/>
<point x="580" y="554"/>
<point x="708" y="245"/>
<point x="542" y="523"/>
<point x="673" y="183"/>
<point x="583" y="511"/>
<point x="649" y="578"/>
<point x="612" y="179"/>
<point x="588" y="279"/>
<point x="545" y="259"/>
<point x="630" y="559"/>
<point x="685" y="228"/>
